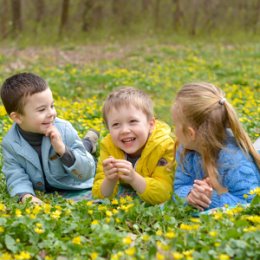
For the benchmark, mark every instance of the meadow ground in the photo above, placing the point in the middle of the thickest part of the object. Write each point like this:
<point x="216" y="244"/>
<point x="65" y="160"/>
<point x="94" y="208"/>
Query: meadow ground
<point x="80" y="78"/>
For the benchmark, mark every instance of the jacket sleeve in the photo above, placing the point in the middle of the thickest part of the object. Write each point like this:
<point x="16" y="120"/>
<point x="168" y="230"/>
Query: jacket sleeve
<point x="17" y="179"/>
<point x="159" y="185"/>
<point x="84" y="165"/>
<point x="239" y="182"/>
<point x="100" y="175"/>
<point x="184" y="177"/>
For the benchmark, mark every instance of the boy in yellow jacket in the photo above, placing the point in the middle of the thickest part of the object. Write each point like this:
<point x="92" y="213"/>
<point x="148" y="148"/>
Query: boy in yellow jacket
<point x="137" y="152"/>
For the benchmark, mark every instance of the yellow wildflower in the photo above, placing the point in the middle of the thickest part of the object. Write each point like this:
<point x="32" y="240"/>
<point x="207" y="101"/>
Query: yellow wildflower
<point x="130" y="251"/>
<point x="127" y="240"/>
<point x="22" y="256"/>
<point x="224" y="257"/>
<point x="177" y="255"/>
<point x="76" y="240"/>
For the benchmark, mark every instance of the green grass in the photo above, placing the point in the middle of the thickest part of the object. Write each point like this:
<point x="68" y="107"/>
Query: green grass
<point x="81" y="77"/>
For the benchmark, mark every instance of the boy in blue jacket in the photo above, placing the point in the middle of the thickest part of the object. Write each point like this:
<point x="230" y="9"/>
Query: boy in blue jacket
<point x="40" y="151"/>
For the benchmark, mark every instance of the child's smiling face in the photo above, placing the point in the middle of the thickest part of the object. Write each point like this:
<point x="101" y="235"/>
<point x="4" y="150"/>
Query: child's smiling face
<point x="129" y="128"/>
<point x="38" y="112"/>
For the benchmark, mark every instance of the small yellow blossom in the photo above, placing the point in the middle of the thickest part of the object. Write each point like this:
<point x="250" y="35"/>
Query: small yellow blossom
<point x="22" y="256"/>
<point x="93" y="255"/>
<point x="109" y="213"/>
<point x="160" y="256"/>
<point x="2" y="207"/>
<point x="6" y="256"/>
<point x="89" y="203"/>
<point x="114" y="202"/>
<point x="76" y="240"/>
<point x="145" y="237"/>
<point x="18" y="213"/>
<point x="177" y="255"/>
<point x="159" y="232"/>
<point x="170" y="234"/>
<point x="90" y="212"/>
<point x="255" y="191"/>
<point x="56" y="214"/>
<point x="213" y="233"/>
<point x="2" y="229"/>
<point x="94" y="222"/>
<point x="127" y="240"/>
<point x="130" y="251"/>
<point x="224" y="257"/>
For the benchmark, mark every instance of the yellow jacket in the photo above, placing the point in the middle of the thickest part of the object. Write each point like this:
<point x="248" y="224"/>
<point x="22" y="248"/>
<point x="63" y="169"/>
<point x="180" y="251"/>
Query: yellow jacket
<point x="152" y="165"/>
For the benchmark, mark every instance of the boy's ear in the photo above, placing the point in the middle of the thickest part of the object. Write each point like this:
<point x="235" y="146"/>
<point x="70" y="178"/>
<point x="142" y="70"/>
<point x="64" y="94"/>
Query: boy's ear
<point x="16" y="117"/>
<point x="191" y="133"/>
<point x="152" y="124"/>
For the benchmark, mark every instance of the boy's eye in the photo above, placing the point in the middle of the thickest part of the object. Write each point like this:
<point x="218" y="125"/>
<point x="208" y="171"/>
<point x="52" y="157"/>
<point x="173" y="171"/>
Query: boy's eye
<point x="115" y="124"/>
<point x="41" y="110"/>
<point x="133" y="121"/>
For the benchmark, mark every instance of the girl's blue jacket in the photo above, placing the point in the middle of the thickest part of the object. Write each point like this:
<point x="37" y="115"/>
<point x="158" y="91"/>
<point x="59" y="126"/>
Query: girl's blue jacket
<point x="237" y="172"/>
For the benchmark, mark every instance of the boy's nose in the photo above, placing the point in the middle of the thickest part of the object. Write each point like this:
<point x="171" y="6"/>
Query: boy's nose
<point x="124" y="129"/>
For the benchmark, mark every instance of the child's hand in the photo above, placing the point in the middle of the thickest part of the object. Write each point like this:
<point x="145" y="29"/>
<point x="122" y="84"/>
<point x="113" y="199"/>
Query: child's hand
<point x="34" y="199"/>
<point x="109" y="169"/>
<point x="200" y="195"/>
<point x="125" y="171"/>
<point x="56" y="140"/>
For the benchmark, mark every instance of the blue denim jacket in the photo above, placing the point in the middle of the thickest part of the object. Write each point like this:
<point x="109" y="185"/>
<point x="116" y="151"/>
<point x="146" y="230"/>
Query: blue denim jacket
<point x="23" y="169"/>
<point x="237" y="172"/>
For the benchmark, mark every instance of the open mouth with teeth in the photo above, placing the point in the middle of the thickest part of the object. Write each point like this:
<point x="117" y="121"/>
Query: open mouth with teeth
<point x="128" y="140"/>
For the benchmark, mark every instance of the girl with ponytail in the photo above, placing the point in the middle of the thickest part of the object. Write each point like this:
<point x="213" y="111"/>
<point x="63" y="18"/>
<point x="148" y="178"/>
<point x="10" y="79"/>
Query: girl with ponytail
<point x="217" y="163"/>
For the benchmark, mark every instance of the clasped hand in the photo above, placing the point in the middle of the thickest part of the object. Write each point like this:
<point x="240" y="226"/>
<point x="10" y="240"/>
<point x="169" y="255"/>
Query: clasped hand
<point x="200" y="195"/>
<point x="115" y="169"/>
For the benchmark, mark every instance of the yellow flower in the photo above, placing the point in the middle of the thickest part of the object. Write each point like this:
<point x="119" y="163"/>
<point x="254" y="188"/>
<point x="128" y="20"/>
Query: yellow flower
<point x="94" y="222"/>
<point x="76" y="240"/>
<point x="18" y="213"/>
<point x="38" y="230"/>
<point x="127" y="240"/>
<point x="90" y="212"/>
<point x="224" y="257"/>
<point x="2" y="207"/>
<point x="108" y="213"/>
<point x="159" y="232"/>
<point x="130" y="251"/>
<point x="22" y="256"/>
<point x="170" y="235"/>
<point x="213" y="233"/>
<point x="6" y="256"/>
<point x="160" y="256"/>
<point x="94" y="255"/>
<point x="114" y="202"/>
<point x="2" y="229"/>
<point x="56" y="214"/>
<point x="177" y="255"/>
<point x="255" y="191"/>
<point x="89" y="203"/>
<point x="145" y="237"/>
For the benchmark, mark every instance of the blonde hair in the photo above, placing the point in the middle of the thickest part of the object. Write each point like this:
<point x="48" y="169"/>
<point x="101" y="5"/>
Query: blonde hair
<point x="128" y="96"/>
<point x="203" y="107"/>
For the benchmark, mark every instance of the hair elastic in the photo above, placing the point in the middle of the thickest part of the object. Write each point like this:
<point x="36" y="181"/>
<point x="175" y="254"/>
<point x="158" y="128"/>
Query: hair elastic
<point x="222" y="101"/>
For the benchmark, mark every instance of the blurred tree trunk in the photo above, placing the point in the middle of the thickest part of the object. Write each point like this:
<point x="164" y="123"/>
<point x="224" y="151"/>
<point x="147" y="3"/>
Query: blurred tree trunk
<point x="145" y="5"/>
<point x="4" y="18"/>
<point x="87" y="9"/>
<point x="119" y="12"/>
<point x="40" y="10"/>
<point x="16" y="17"/>
<point x="194" y="18"/>
<point x="157" y="13"/>
<point x="64" y="16"/>
<point x="177" y="14"/>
